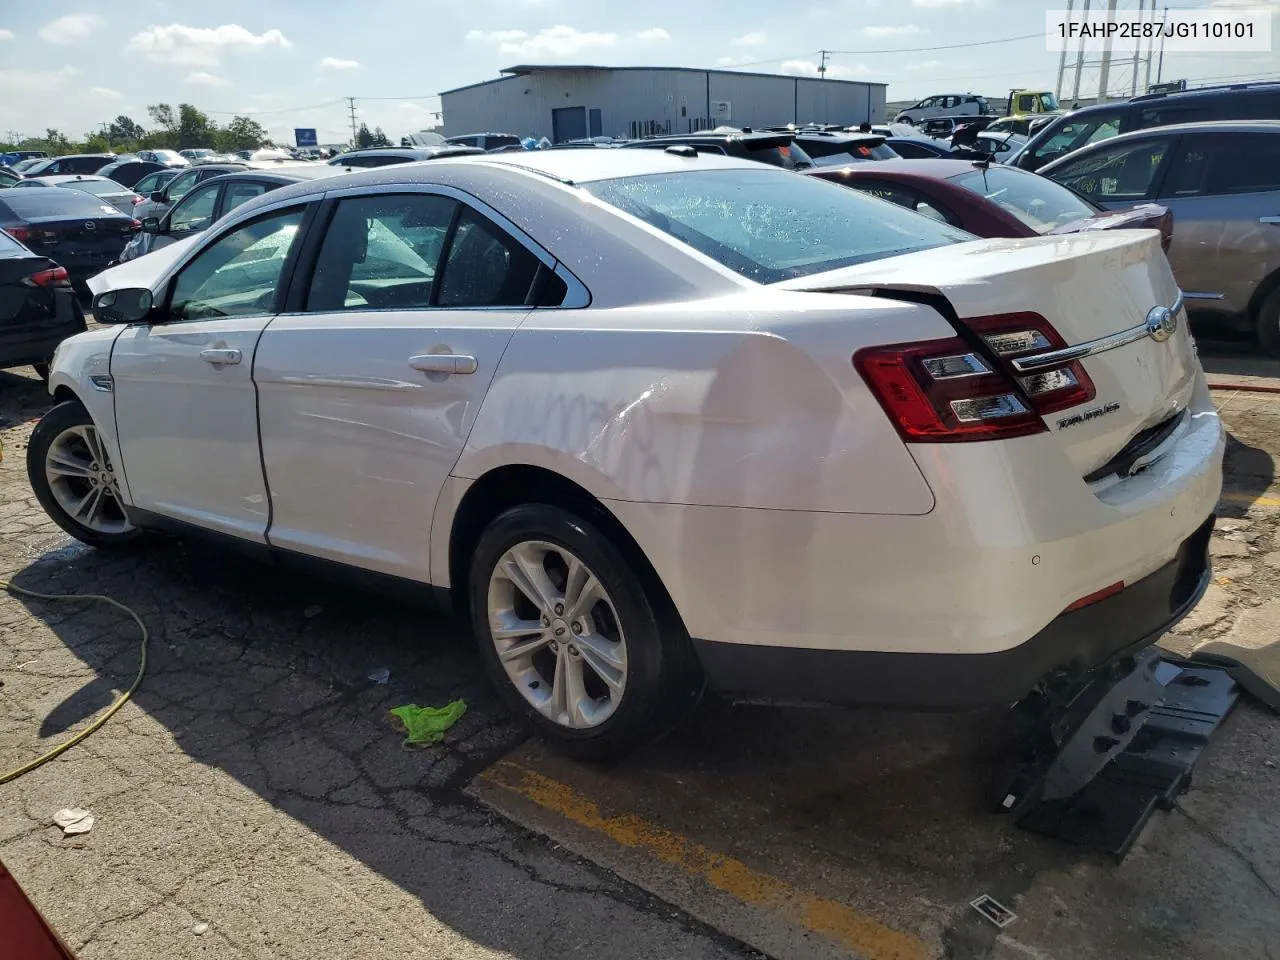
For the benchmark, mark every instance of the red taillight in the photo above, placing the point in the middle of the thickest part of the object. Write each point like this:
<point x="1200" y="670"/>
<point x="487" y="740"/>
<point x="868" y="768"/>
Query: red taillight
<point x="945" y="391"/>
<point x="134" y="226"/>
<point x="137" y="200"/>
<point x="21" y="234"/>
<point x="1096" y="597"/>
<point x="55" y="277"/>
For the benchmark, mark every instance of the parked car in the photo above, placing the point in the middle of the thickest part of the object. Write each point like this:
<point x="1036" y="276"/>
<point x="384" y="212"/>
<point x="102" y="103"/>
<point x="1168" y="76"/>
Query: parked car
<point x="945" y="105"/>
<point x="84" y="163"/>
<point x="919" y="148"/>
<point x="76" y="229"/>
<point x="22" y="166"/>
<point x="158" y="202"/>
<point x="485" y="141"/>
<point x="38" y="309"/>
<point x="386" y="156"/>
<point x="207" y="202"/>
<point x="16" y="156"/>
<point x="828" y="148"/>
<point x="127" y="173"/>
<point x="1002" y="147"/>
<point x="8" y="178"/>
<point x="1018" y="123"/>
<point x="153" y="182"/>
<point x="991" y="200"/>
<point x="1243" y="101"/>
<point x="392" y="389"/>
<point x="199" y="155"/>
<point x="1222" y="182"/>
<point x="122" y="198"/>
<point x="777" y="149"/>
<point x="168" y="158"/>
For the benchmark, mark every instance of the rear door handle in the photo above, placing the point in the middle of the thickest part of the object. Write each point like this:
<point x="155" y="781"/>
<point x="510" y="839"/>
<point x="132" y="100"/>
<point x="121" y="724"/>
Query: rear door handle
<point x="220" y="355"/>
<point x="1269" y="220"/>
<point x="444" y="363"/>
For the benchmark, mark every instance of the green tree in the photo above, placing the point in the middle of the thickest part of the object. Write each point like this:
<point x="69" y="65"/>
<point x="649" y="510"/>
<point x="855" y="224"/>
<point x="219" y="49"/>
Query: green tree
<point x="194" y="127"/>
<point x="242" y="133"/>
<point x="124" y="131"/>
<point x="380" y="139"/>
<point x="95" y="143"/>
<point x="162" y="116"/>
<point x="363" y="137"/>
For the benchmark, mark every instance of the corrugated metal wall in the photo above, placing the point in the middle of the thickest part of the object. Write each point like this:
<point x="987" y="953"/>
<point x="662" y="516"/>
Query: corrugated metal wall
<point x="638" y="102"/>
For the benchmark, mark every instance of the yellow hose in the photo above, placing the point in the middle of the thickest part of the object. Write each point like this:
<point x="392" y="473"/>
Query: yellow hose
<point x="111" y="710"/>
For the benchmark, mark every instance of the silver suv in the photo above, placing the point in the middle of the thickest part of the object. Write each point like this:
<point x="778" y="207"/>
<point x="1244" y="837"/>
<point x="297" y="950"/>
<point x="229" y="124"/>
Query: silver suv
<point x="945" y="105"/>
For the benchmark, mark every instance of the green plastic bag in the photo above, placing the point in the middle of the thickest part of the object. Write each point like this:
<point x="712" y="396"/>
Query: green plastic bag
<point x="427" y="725"/>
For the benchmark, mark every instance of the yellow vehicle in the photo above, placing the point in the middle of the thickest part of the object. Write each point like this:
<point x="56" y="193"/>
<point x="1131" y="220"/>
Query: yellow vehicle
<point x="1031" y="101"/>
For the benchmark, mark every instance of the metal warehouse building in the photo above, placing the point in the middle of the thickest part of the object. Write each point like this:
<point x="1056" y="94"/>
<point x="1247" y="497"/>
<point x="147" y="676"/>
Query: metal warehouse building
<point x="571" y="102"/>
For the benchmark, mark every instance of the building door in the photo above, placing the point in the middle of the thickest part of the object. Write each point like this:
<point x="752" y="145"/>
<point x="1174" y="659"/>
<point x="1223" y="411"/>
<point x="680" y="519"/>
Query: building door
<point x="596" y="123"/>
<point x="568" y="123"/>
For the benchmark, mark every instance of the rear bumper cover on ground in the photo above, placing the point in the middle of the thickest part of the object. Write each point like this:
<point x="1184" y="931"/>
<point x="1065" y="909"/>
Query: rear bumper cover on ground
<point x="1076" y="642"/>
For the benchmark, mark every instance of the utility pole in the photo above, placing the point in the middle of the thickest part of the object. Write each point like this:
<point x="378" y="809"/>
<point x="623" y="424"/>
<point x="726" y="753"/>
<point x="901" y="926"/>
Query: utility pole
<point x="1103" y="91"/>
<point x="351" y="104"/>
<point x="1164" y="20"/>
<point x="1062" y="60"/>
<point x="1075" y="90"/>
<point x="1151" y="46"/>
<point x="1137" y="50"/>
<point x="822" y="67"/>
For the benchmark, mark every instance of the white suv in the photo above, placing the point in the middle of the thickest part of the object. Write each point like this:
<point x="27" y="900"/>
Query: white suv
<point x="945" y="105"/>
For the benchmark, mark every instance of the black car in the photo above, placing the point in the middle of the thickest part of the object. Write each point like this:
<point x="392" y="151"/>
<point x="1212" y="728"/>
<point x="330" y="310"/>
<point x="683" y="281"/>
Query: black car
<point x="830" y="147"/>
<point x="920" y="148"/>
<point x="128" y="172"/>
<point x="38" y="309"/>
<point x="1071" y="131"/>
<point x="386" y="156"/>
<point x="774" y="148"/>
<point x="214" y="199"/>
<point x="82" y="232"/>
<point x="485" y="141"/>
<point x="73" y="163"/>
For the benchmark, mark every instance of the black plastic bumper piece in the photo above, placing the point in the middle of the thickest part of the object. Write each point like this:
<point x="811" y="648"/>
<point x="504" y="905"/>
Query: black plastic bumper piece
<point x="1071" y="646"/>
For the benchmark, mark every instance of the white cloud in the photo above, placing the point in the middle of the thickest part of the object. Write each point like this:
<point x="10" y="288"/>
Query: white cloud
<point x="652" y="34"/>
<point x="756" y="38"/>
<point x="105" y="93"/>
<point x="201" y="79"/>
<point x="72" y="28"/>
<point x="924" y="64"/>
<point x="334" y="63"/>
<point x="807" y="68"/>
<point x="557" y="41"/>
<point x="201" y="46"/>
<point x="7" y="35"/>
<point x="735" y="61"/>
<point x="881" y="33"/>
<point x="36" y="80"/>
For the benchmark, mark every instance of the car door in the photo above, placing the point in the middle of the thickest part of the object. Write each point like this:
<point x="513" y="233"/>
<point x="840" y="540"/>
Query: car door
<point x="186" y="409"/>
<point x="1224" y="191"/>
<point x="1117" y="175"/>
<point x="368" y="391"/>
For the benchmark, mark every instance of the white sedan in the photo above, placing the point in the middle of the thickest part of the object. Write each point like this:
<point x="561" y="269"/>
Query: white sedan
<point x="653" y="420"/>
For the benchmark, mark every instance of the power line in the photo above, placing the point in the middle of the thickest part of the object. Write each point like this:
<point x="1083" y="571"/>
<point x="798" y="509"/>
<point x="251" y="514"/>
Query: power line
<point x="948" y="46"/>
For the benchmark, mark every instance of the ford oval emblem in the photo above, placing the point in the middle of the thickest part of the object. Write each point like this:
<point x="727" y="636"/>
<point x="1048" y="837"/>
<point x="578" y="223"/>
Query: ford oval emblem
<point x="90" y="225"/>
<point x="1162" y="323"/>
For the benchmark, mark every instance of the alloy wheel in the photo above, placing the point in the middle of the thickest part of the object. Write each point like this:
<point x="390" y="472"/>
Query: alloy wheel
<point x="84" y="482"/>
<point x="557" y="634"/>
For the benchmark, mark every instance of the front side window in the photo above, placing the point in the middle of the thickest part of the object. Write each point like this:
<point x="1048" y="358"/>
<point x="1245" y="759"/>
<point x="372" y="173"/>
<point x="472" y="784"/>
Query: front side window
<point x="1075" y="134"/>
<point x="237" y="275"/>
<point x="1039" y="202"/>
<point x="381" y="252"/>
<point x="770" y="225"/>
<point x="195" y="212"/>
<point x="1122" y="172"/>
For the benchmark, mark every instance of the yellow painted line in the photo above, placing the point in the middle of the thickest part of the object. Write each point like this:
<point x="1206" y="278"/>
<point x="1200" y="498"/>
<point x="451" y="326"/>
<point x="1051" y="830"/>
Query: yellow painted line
<point x="1249" y="500"/>
<point x="857" y="932"/>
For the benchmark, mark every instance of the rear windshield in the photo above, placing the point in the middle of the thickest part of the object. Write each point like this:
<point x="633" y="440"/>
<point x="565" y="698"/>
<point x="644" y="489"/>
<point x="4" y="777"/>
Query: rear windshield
<point x="51" y="202"/>
<point x="825" y="152"/>
<point x="99" y="188"/>
<point x="10" y="248"/>
<point x="1040" y="203"/>
<point x="769" y="225"/>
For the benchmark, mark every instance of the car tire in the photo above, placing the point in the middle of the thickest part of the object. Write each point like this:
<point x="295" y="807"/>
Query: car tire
<point x="1269" y="323"/>
<point x="74" y="480"/>
<point x="596" y="679"/>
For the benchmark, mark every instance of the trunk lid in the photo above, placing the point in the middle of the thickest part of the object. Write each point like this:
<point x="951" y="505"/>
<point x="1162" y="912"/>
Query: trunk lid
<point x="1089" y="287"/>
<point x="91" y="238"/>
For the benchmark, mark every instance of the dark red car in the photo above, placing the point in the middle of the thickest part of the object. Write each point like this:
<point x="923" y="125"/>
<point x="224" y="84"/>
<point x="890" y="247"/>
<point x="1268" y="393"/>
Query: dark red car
<point x="991" y="199"/>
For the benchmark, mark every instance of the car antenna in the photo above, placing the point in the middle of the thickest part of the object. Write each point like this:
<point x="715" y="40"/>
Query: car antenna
<point x="983" y="163"/>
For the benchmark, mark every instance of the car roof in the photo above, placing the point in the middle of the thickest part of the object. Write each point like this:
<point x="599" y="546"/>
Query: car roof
<point x="931" y="169"/>
<point x="1210" y="91"/>
<point x="283" y="176"/>
<point x="427" y="152"/>
<point x="73" y="177"/>
<point x="1202" y="126"/>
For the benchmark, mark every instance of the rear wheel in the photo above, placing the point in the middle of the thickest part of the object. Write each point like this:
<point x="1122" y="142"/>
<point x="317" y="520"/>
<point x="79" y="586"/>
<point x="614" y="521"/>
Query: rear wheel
<point x="1269" y="324"/>
<point x="75" y="480"/>
<point x="572" y="639"/>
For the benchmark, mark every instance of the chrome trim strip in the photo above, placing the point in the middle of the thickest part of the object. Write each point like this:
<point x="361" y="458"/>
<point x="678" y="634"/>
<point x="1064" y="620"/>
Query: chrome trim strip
<point x="1081" y="350"/>
<point x="1269" y="219"/>
<point x="1193" y="295"/>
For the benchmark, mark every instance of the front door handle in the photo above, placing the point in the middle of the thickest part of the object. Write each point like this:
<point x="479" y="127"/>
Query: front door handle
<point x="444" y="363"/>
<point x="220" y="355"/>
<point x="1275" y="220"/>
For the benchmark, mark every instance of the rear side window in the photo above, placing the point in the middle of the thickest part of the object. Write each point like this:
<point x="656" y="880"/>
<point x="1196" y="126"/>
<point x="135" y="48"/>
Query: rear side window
<point x="1170" y="113"/>
<point x="485" y="267"/>
<point x="1227" y="164"/>
<point x="235" y="194"/>
<point x="1125" y="171"/>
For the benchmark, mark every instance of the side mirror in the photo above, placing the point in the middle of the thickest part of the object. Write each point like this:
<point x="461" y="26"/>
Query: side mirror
<point x="123" y="306"/>
<point x="157" y="196"/>
<point x="150" y="224"/>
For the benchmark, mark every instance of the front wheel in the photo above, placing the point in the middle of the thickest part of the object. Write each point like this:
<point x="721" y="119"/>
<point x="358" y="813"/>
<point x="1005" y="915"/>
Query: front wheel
<point x="571" y="637"/>
<point x="75" y="480"/>
<point x="1269" y="324"/>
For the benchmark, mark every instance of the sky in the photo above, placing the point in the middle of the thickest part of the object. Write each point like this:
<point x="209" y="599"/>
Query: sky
<point x="290" y="63"/>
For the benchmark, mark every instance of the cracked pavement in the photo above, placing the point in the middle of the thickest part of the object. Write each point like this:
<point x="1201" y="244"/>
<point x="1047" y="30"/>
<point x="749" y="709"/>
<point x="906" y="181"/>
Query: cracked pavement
<point x="255" y="784"/>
